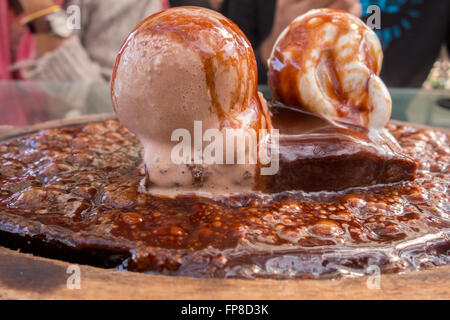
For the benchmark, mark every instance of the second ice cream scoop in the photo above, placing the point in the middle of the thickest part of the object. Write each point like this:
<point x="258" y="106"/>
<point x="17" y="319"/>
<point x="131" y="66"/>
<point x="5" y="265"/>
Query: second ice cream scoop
<point x="327" y="62"/>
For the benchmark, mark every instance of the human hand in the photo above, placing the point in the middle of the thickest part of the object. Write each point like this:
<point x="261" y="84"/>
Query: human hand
<point x="352" y="6"/>
<point x="44" y="42"/>
<point x="215" y="4"/>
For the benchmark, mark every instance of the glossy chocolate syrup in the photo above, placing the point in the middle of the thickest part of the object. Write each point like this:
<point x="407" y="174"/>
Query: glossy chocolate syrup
<point x="77" y="188"/>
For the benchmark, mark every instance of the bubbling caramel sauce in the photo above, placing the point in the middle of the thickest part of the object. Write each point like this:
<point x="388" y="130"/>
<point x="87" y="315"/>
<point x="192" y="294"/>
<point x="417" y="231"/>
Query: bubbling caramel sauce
<point x="74" y="192"/>
<point x="75" y="189"/>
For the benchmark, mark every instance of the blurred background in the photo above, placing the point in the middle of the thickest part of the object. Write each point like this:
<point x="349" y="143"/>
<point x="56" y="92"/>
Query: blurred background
<point x="56" y="56"/>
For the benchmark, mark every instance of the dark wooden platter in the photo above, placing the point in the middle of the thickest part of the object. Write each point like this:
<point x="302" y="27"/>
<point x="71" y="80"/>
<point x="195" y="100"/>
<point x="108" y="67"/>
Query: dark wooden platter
<point x="24" y="276"/>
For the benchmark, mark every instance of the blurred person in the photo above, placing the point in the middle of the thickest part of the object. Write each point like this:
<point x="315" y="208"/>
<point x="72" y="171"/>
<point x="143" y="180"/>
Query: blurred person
<point x="32" y="48"/>
<point x="263" y="21"/>
<point x="412" y="31"/>
<point x="37" y="51"/>
<point x="412" y="34"/>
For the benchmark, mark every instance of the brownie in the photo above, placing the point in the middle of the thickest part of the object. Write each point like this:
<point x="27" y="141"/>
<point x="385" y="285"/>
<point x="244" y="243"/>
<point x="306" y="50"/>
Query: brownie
<point x="318" y="156"/>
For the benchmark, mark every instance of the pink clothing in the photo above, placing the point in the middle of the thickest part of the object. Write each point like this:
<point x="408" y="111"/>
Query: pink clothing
<point x="86" y="57"/>
<point x="25" y="49"/>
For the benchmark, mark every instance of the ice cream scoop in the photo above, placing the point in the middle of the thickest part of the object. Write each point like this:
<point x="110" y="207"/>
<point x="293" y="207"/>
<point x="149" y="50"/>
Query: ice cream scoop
<point x="177" y="67"/>
<point x="327" y="62"/>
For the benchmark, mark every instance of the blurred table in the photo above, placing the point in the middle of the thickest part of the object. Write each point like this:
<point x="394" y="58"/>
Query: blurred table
<point x="25" y="103"/>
